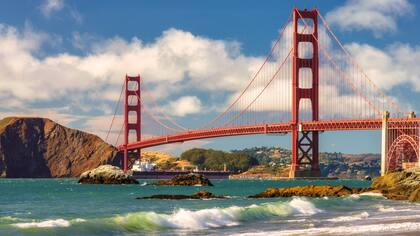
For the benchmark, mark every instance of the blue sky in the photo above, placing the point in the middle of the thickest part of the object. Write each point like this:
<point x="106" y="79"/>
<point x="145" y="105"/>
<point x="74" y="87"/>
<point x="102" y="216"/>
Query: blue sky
<point x="65" y="59"/>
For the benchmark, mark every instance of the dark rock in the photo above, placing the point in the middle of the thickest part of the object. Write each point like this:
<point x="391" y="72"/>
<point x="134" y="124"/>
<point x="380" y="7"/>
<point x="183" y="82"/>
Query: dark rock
<point x="203" y="194"/>
<point x="38" y="147"/>
<point x="106" y="174"/>
<point x="310" y="191"/>
<point x="191" y="179"/>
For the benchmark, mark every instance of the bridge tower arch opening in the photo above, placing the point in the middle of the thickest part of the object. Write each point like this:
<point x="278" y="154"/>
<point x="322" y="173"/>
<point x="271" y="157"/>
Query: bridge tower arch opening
<point x="305" y="161"/>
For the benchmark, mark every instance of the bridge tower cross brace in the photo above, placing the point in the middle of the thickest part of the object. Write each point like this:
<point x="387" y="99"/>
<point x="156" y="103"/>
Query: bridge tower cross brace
<point x="131" y="104"/>
<point x="304" y="143"/>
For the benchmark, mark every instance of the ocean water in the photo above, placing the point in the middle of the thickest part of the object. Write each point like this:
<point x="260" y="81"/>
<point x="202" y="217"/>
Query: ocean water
<point x="63" y="207"/>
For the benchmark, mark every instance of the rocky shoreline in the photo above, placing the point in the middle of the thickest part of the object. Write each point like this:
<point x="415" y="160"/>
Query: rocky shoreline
<point x="401" y="185"/>
<point x="311" y="191"/>
<point x="203" y="194"/>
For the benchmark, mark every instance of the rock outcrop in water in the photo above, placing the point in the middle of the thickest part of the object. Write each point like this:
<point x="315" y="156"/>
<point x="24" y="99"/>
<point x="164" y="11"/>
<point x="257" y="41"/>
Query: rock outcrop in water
<point x="310" y="191"/>
<point x="203" y="194"/>
<point x="106" y="174"/>
<point x="38" y="147"/>
<point x="191" y="179"/>
<point x="401" y="185"/>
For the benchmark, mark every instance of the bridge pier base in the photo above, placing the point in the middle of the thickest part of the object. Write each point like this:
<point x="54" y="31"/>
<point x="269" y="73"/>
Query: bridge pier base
<point x="304" y="173"/>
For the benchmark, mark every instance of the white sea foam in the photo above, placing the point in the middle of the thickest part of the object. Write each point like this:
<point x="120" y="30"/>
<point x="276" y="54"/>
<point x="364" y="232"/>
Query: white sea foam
<point x="215" y="217"/>
<point x="391" y="228"/>
<point x="371" y="194"/>
<point x="389" y="209"/>
<point x="360" y="216"/>
<point x="298" y="220"/>
<point x="304" y="207"/>
<point x="78" y="220"/>
<point x="44" y="224"/>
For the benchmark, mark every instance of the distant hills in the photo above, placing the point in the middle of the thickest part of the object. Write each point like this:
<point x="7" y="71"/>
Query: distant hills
<point x="275" y="161"/>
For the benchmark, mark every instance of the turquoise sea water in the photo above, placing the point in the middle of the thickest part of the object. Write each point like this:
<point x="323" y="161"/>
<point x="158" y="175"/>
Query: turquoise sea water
<point x="63" y="207"/>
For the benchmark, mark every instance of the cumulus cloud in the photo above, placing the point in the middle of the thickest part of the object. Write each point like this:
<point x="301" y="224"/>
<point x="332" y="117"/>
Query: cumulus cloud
<point x="175" y="58"/>
<point x="50" y="6"/>
<point x="184" y="106"/>
<point x="378" y="16"/>
<point x="173" y="64"/>
<point x="395" y="65"/>
<point x="89" y="84"/>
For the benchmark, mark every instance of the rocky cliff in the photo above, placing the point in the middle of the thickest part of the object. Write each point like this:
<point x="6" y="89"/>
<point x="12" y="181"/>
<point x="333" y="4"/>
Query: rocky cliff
<point x="38" y="147"/>
<point x="400" y="185"/>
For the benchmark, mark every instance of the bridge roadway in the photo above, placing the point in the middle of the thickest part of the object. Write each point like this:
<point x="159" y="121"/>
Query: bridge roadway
<point x="323" y="125"/>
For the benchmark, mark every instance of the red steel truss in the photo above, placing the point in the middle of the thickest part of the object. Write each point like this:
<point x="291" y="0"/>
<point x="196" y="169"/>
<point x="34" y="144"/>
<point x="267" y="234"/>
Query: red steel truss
<point x="332" y="125"/>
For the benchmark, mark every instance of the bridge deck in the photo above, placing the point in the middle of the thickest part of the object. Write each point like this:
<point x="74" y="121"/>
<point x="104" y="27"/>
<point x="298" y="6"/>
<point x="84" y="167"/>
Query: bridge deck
<point x="324" y="125"/>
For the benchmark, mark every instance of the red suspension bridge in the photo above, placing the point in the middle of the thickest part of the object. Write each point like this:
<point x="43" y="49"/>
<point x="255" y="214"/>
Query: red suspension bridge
<point x="308" y="83"/>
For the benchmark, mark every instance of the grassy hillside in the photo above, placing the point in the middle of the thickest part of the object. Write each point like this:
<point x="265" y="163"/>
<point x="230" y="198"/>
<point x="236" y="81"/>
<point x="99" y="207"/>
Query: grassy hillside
<point x="164" y="161"/>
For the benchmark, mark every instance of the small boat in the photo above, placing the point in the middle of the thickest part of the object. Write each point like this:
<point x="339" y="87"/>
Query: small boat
<point x="143" y="165"/>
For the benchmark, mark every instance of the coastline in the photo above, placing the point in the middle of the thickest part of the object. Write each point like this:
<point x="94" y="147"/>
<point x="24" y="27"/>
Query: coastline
<point x="76" y="211"/>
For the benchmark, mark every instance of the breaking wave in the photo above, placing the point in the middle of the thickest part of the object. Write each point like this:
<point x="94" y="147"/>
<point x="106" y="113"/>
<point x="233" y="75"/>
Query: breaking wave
<point x="214" y="217"/>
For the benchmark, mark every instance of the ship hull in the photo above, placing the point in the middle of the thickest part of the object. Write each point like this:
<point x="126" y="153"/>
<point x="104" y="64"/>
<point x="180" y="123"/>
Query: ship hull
<point x="171" y="174"/>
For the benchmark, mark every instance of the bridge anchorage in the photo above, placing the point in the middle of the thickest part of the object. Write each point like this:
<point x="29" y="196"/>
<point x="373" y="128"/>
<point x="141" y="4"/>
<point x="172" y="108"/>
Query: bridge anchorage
<point x="307" y="84"/>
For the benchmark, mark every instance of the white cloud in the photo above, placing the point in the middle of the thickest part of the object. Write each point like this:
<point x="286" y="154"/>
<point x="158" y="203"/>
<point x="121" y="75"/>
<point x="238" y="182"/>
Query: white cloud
<point x="379" y="16"/>
<point x="176" y="58"/>
<point x="172" y="65"/>
<point x="50" y="6"/>
<point x="393" y="66"/>
<point x="184" y="106"/>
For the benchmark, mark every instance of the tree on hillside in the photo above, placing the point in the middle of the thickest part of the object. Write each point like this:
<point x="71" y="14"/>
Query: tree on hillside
<point x="216" y="160"/>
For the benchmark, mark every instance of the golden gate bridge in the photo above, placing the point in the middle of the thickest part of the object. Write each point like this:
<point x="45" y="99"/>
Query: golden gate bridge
<point x="307" y="84"/>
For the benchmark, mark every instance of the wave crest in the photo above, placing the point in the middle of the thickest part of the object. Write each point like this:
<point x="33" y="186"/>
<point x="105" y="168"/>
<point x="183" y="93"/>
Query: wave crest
<point x="214" y="217"/>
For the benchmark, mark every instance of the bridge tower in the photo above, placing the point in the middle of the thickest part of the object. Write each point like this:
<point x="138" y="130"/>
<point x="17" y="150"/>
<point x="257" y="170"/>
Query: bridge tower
<point x="305" y="162"/>
<point x="131" y="105"/>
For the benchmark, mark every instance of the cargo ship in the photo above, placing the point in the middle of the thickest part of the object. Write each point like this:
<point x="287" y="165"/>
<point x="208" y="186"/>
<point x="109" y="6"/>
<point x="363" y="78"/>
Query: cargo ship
<point x="146" y="170"/>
